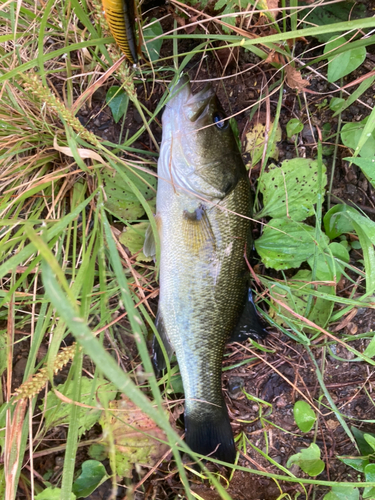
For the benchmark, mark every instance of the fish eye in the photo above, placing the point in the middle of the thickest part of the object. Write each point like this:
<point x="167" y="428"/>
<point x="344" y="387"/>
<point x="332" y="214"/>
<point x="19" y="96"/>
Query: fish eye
<point x="218" y="120"/>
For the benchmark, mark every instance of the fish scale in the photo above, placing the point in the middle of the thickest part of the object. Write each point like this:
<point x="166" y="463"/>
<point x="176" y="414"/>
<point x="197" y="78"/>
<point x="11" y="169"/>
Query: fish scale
<point x="203" y="209"/>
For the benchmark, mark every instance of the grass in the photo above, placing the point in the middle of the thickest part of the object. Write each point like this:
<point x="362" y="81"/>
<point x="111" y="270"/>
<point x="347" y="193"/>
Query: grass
<point x="64" y="272"/>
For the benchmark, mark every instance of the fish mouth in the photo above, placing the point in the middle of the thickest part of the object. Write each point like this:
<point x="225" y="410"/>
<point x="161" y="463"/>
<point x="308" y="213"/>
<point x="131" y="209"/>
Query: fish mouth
<point x="182" y="86"/>
<point x="198" y="103"/>
<point x="183" y="100"/>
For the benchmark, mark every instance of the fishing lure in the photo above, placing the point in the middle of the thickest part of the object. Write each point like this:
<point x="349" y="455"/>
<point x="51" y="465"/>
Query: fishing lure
<point x="120" y="17"/>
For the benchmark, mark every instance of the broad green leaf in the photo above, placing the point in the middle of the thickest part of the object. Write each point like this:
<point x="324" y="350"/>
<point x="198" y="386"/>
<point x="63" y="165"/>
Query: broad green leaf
<point x="332" y="13"/>
<point x="304" y="416"/>
<point x="295" y="294"/>
<point x="370" y="349"/>
<point x="153" y="46"/>
<point x="294" y="126"/>
<point x="336" y="103"/>
<point x="358" y="464"/>
<point x="335" y="224"/>
<point x="117" y="100"/>
<point x="255" y="142"/>
<point x="93" y="475"/>
<point x="370" y="439"/>
<point x="133" y="238"/>
<point x="347" y="216"/>
<point x="327" y="266"/>
<point x="121" y="201"/>
<point x="291" y="189"/>
<point x="92" y="391"/>
<point x="51" y="493"/>
<point x="351" y="134"/>
<point x="308" y="460"/>
<point x="176" y="386"/>
<point x="368" y="255"/>
<point x="228" y="9"/>
<point x="98" y="451"/>
<point x="369" y="492"/>
<point x="342" y="64"/>
<point x="367" y="165"/>
<point x="342" y="493"/>
<point x="363" y="445"/>
<point x="136" y="437"/>
<point x="285" y="243"/>
<point x="343" y="219"/>
<point x="368" y="131"/>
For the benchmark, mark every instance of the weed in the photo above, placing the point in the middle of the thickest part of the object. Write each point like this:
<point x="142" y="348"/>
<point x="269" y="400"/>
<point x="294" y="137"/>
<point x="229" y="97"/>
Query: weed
<point x="77" y="200"/>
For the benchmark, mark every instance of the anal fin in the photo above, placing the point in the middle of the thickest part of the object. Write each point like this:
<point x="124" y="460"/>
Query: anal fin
<point x="158" y="357"/>
<point x="249" y="324"/>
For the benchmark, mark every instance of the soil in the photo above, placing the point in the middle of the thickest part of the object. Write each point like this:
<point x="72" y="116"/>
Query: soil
<point x="284" y="370"/>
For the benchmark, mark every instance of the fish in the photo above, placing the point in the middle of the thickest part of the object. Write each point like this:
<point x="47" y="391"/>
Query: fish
<point x="203" y="206"/>
<point x="120" y="16"/>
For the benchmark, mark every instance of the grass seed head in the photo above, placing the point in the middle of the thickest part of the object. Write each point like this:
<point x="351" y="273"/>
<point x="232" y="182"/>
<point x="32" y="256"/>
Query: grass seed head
<point x="35" y="384"/>
<point x="44" y="94"/>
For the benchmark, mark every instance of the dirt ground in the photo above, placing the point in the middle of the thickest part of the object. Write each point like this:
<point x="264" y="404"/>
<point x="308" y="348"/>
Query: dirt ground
<point x="285" y="368"/>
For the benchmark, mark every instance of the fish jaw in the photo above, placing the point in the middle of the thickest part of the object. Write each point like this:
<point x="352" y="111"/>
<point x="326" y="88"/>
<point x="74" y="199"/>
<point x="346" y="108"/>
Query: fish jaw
<point x="179" y="95"/>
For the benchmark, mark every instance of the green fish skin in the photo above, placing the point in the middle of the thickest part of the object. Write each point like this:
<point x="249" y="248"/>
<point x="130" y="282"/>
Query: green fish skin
<point x="203" y="189"/>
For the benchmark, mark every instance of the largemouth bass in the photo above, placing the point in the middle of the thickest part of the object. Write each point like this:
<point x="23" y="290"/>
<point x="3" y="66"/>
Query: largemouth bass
<point x="203" y="201"/>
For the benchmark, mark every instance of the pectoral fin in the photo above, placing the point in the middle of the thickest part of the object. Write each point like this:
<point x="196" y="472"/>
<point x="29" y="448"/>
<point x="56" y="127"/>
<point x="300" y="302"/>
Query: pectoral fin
<point x="197" y="230"/>
<point x="158" y="357"/>
<point x="249" y="324"/>
<point x="149" y="245"/>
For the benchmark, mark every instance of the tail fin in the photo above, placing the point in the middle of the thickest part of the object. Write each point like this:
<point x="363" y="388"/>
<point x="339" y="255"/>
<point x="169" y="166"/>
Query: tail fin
<point x="209" y="431"/>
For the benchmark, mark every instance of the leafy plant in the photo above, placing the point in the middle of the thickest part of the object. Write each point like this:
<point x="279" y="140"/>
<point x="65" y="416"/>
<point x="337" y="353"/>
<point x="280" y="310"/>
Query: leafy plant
<point x="255" y="141"/>
<point x="118" y="101"/>
<point x="134" y="237"/>
<point x="134" y="437"/>
<point x="352" y="133"/>
<point x="74" y="208"/>
<point x="342" y="64"/>
<point x="308" y="460"/>
<point x="152" y="47"/>
<point x="92" y="476"/>
<point x="121" y="200"/>
<point x="304" y="416"/>
<point x="342" y="493"/>
<point x="332" y="13"/>
<point x="57" y="411"/>
<point x="51" y="493"/>
<point x="293" y="127"/>
<point x="366" y="445"/>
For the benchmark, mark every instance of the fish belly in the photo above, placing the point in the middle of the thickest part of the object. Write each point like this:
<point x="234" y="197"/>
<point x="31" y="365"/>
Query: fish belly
<point x="202" y="288"/>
